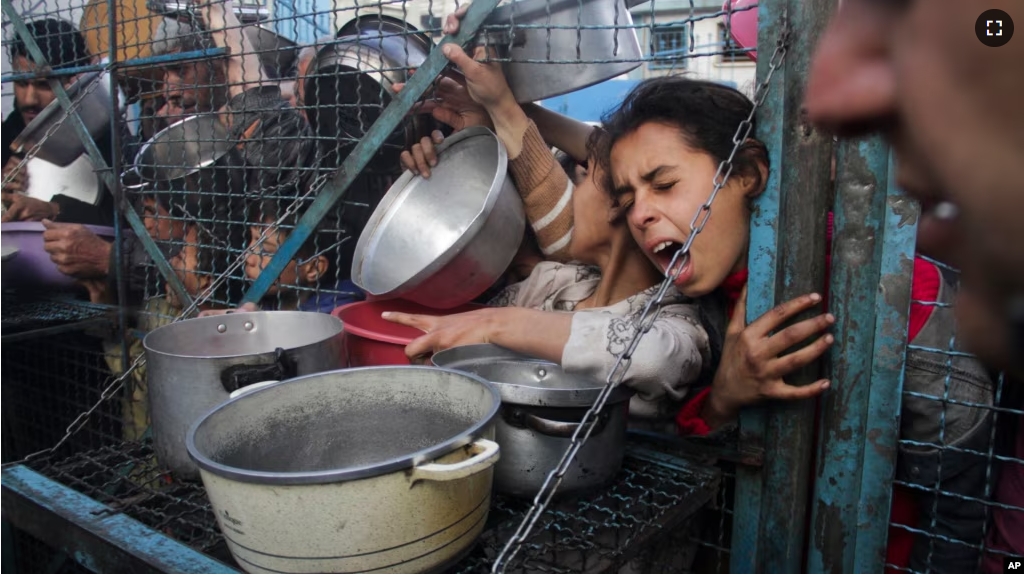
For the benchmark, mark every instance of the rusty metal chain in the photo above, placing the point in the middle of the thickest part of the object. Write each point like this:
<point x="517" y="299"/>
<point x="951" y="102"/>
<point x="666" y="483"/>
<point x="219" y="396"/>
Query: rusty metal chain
<point x="647" y="318"/>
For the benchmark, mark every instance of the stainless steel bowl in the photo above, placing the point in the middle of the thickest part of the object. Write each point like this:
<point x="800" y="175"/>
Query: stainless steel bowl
<point x="443" y="241"/>
<point x="593" y="39"/>
<point x="63" y="146"/>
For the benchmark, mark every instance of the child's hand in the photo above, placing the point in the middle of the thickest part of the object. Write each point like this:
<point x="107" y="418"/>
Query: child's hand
<point x="751" y="369"/>
<point x="452" y="105"/>
<point x="423" y="155"/>
<point x="445" y="332"/>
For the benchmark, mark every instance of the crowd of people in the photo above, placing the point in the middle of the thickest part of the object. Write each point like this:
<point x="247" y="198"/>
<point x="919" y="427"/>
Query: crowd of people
<point x="607" y="216"/>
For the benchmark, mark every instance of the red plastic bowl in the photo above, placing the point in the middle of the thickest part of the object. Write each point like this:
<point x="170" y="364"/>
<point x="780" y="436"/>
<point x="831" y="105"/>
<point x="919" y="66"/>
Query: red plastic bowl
<point x="372" y="340"/>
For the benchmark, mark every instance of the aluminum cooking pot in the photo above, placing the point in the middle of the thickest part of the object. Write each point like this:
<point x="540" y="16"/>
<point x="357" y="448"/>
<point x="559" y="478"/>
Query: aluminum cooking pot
<point x="351" y="82"/>
<point x="194" y="365"/>
<point x="378" y="469"/>
<point x="92" y="92"/>
<point x="542" y="406"/>
<point x="593" y="39"/>
<point x="442" y="242"/>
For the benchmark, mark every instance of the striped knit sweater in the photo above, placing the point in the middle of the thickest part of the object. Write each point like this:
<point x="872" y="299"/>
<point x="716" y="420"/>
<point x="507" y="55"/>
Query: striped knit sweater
<point x="547" y="195"/>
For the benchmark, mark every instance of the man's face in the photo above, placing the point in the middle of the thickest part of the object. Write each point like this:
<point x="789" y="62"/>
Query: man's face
<point x="950" y="106"/>
<point x="32" y="95"/>
<point x="191" y="88"/>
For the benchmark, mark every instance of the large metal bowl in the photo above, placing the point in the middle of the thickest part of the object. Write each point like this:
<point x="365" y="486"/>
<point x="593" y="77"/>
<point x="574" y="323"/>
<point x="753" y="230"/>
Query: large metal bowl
<point x="560" y="46"/>
<point x="443" y="241"/>
<point x="63" y="146"/>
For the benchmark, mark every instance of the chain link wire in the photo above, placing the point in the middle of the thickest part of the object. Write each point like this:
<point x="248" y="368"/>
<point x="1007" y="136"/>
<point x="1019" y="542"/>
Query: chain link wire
<point x="615" y="377"/>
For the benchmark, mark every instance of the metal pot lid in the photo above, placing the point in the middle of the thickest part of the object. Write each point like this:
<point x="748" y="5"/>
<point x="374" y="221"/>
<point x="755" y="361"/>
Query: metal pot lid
<point x="343" y="425"/>
<point x="242" y="334"/>
<point x="408" y="238"/>
<point x="525" y="380"/>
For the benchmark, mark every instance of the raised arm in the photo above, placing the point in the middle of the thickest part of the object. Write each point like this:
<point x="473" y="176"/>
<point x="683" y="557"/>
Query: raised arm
<point x="244" y="70"/>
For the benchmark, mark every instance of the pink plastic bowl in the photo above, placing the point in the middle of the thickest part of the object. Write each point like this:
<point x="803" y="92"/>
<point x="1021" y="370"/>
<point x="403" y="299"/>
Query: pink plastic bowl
<point x="372" y="340"/>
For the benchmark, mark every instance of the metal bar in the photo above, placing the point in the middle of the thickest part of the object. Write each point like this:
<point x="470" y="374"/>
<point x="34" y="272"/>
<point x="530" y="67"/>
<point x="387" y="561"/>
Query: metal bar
<point x="50" y="331"/>
<point x="97" y="536"/>
<point x="774" y="515"/>
<point x="96" y="156"/>
<point x="762" y="265"/>
<point x="366" y="148"/>
<point x="119" y="203"/>
<point x="148" y="61"/>
<point x="892" y="315"/>
<point x="861" y="168"/>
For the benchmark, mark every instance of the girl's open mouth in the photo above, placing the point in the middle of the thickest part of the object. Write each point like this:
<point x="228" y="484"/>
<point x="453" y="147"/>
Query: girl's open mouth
<point x="663" y="254"/>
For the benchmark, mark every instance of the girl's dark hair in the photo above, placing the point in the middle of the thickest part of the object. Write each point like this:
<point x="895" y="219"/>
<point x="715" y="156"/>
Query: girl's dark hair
<point x="706" y="113"/>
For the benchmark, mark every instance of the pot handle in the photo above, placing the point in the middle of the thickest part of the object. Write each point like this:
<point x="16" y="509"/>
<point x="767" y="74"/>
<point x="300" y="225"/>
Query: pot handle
<point x="554" y="428"/>
<point x="238" y="376"/>
<point x="251" y="387"/>
<point x="485" y="454"/>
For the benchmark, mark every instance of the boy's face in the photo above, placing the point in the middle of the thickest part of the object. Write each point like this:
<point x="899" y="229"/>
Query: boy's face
<point x="159" y="224"/>
<point x="186" y="267"/>
<point x="260" y="255"/>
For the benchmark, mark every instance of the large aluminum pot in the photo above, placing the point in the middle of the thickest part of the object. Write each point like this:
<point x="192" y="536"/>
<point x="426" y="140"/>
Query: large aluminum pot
<point x="542" y="407"/>
<point x="560" y="46"/>
<point x="191" y="366"/>
<point x="377" y="469"/>
<point x="442" y="242"/>
<point x="63" y="146"/>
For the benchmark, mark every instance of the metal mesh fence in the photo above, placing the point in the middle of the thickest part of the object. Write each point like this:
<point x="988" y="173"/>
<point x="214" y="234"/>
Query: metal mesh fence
<point x="222" y="126"/>
<point x="958" y="424"/>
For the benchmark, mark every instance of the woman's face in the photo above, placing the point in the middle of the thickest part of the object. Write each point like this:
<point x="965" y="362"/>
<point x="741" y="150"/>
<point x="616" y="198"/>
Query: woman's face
<point x="593" y="229"/>
<point x="662" y="182"/>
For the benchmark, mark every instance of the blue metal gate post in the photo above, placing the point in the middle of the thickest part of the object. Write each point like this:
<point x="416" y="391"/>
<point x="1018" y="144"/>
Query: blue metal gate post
<point x="787" y="259"/>
<point x="872" y="260"/>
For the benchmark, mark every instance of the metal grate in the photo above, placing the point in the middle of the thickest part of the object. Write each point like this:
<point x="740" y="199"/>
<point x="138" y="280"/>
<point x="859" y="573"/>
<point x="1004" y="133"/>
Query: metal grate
<point x="23" y="313"/>
<point x="598" y="532"/>
<point x="957" y="436"/>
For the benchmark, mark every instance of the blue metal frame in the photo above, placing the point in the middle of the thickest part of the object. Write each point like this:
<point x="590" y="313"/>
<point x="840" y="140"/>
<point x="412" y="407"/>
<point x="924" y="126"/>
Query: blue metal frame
<point x="786" y="260"/>
<point x="36" y="504"/>
<point x="872" y="258"/>
<point x="113" y="181"/>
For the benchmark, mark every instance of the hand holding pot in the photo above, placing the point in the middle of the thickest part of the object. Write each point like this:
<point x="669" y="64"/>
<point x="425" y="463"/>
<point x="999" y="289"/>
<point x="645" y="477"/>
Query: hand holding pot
<point x="422" y="156"/>
<point x="752" y="368"/>
<point x="18" y="178"/>
<point x="452" y="105"/>
<point x="22" y="208"/>
<point x="77" y="251"/>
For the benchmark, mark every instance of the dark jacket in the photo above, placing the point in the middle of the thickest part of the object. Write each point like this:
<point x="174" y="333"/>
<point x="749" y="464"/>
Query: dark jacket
<point x="945" y="430"/>
<point x="71" y="210"/>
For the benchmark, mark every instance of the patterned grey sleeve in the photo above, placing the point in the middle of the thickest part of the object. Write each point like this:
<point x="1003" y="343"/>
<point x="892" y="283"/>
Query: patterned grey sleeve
<point x="668" y="359"/>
